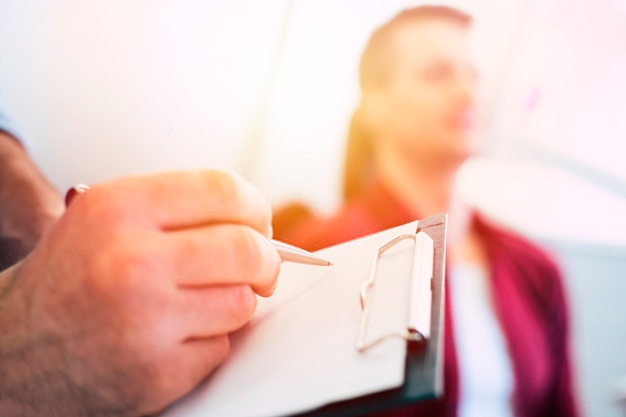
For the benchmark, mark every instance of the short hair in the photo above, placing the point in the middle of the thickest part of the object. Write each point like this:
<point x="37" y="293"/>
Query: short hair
<point x="377" y="56"/>
<point x="376" y="60"/>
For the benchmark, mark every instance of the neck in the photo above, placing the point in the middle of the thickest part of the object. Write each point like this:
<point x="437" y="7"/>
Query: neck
<point x="423" y="187"/>
<point x="426" y="187"/>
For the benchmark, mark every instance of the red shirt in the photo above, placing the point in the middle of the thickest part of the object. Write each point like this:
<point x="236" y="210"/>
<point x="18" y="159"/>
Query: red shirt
<point x="529" y="303"/>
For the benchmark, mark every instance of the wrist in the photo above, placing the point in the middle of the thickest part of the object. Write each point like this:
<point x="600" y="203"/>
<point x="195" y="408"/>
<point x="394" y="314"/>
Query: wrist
<point x="30" y="204"/>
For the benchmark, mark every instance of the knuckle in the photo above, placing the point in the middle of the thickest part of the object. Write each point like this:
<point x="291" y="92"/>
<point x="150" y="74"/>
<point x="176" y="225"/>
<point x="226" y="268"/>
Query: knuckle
<point x="101" y="205"/>
<point x="239" y="198"/>
<point x="124" y="268"/>
<point x="132" y="262"/>
<point x="223" y="185"/>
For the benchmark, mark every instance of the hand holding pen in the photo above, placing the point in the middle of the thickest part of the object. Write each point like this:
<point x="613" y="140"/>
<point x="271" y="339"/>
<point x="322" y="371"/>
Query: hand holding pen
<point x="287" y="253"/>
<point x="137" y="287"/>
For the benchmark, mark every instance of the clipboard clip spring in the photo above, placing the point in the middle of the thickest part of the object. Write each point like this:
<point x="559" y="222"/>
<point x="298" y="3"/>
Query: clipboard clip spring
<point x="418" y="329"/>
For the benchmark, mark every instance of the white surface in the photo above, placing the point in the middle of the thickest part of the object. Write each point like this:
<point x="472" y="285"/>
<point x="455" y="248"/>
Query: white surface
<point x="298" y="352"/>
<point x="544" y="202"/>
<point x="565" y="91"/>
<point x="486" y="375"/>
<point x="112" y="88"/>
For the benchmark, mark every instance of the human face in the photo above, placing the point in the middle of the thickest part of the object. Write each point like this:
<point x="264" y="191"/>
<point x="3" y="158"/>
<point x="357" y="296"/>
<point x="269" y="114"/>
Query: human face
<point x="425" y="109"/>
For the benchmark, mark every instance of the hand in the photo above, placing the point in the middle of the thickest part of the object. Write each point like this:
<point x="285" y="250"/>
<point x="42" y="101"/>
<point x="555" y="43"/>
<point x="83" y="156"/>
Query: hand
<point x="125" y="305"/>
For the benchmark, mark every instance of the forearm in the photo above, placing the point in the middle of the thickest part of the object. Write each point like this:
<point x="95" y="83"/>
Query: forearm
<point x="29" y="204"/>
<point x="9" y="404"/>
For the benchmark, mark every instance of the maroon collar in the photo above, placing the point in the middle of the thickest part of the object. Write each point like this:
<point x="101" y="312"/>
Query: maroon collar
<point x="385" y="208"/>
<point x="387" y="211"/>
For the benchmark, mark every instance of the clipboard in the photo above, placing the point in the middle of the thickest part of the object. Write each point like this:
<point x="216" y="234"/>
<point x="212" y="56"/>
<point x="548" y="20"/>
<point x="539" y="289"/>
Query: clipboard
<point x="331" y="344"/>
<point x="424" y="361"/>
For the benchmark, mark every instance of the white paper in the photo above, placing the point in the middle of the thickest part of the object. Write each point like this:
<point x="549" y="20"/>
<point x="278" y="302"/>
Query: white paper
<point x="298" y="351"/>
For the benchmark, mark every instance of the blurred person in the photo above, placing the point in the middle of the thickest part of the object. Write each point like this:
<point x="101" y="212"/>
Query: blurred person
<point x="506" y="323"/>
<point x="123" y="302"/>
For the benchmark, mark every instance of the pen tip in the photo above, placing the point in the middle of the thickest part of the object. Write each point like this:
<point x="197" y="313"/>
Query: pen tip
<point x="330" y="264"/>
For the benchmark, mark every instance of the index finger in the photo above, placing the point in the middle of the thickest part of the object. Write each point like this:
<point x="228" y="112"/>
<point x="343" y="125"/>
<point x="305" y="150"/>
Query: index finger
<point x="185" y="199"/>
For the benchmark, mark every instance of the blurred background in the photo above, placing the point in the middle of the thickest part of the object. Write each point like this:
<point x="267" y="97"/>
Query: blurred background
<point x="110" y="88"/>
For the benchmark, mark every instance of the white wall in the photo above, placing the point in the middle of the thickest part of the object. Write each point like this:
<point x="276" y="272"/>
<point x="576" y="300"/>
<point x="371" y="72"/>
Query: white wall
<point x="117" y="87"/>
<point x="565" y="91"/>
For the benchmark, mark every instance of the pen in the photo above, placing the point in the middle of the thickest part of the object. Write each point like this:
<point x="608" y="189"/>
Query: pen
<point x="288" y="253"/>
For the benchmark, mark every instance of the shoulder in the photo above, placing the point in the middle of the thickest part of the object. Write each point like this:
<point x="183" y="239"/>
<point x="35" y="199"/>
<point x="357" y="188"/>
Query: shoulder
<point x="533" y="268"/>
<point x="350" y="222"/>
<point x="517" y="248"/>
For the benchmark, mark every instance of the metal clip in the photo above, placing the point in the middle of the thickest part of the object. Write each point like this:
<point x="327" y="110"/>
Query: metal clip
<point x="418" y="327"/>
